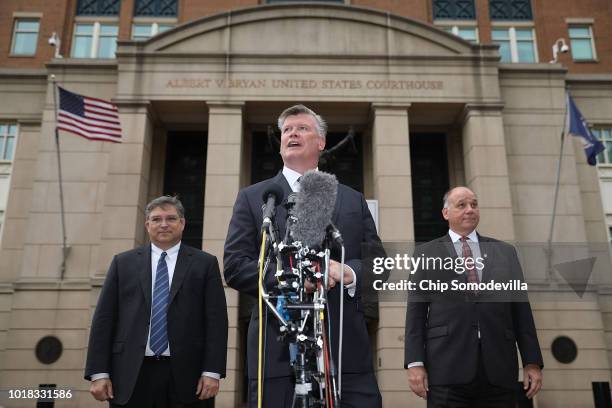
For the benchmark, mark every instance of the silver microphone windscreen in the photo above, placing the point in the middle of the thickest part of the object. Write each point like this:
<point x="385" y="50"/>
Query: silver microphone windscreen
<point x="314" y="207"/>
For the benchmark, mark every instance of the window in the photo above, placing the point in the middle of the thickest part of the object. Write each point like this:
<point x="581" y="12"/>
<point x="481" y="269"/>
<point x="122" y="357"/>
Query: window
<point x="454" y="9"/>
<point x="25" y="37"/>
<point x="98" y="7"/>
<point x="94" y="40"/>
<point x="510" y="10"/>
<point x="8" y="133"/>
<point x="581" y="43"/>
<point x="516" y="44"/>
<point x="165" y="8"/>
<point x="605" y="135"/>
<point x="143" y="31"/>
<point x="468" y="33"/>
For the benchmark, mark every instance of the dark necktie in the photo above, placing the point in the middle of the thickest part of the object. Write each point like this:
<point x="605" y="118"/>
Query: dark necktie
<point x="159" y="312"/>
<point x="472" y="274"/>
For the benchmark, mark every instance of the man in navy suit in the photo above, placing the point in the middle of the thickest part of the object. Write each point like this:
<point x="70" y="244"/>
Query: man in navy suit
<point x="159" y="334"/>
<point x="460" y="350"/>
<point x="302" y="139"/>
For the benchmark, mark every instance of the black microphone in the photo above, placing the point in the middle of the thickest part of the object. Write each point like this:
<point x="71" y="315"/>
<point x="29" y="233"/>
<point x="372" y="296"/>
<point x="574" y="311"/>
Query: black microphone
<point x="272" y="195"/>
<point x="291" y="219"/>
<point x="334" y="234"/>
<point x="314" y="207"/>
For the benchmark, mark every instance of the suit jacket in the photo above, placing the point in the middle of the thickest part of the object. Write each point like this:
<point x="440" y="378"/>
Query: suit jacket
<point x="352" y="217"/>
<point x="443" y="332"/>
<point x="197" y="321"/>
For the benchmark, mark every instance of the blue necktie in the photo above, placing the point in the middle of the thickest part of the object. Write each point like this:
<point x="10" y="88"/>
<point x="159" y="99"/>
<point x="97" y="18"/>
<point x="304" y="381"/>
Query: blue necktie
<point x="161" y="293"/>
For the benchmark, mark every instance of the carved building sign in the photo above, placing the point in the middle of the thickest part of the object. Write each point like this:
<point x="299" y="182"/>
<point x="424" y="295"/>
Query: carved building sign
<point x="356" y="84"/>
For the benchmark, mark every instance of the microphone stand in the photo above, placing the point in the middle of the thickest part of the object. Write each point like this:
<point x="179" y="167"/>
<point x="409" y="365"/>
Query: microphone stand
<point x="268" y="247"/>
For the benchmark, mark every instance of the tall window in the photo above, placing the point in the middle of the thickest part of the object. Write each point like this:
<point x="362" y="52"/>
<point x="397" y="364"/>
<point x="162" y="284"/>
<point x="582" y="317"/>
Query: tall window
<point x="94" y="40"/>
<point x="454" y="9"/>
<point x="516" y="44"/>
<point x="96" y="36"/>
<point x="582" y="44"/>
<point x="605" y="135"/>
<point x="8" y="133"/>
<point x="156" y="8"/>
<point x="144" y="31"/>
<point x="515" y="10"/>
<point x="25" y="36"/>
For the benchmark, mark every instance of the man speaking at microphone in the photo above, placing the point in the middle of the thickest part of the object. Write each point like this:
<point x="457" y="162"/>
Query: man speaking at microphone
<point x="302" y="139"/>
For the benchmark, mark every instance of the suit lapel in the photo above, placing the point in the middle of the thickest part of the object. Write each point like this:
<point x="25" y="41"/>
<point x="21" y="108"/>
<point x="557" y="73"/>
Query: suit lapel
<point x="483" y="244"/>
<point x="183" y="261"/>
<point x="144" y="270"/>
<point x="450" y="247"/>
<point x="281" y="211"/>
<point x="337" y="206"/>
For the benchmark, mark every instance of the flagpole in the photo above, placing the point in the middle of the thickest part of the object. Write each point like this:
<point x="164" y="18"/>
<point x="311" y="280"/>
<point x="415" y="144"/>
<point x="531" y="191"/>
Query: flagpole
<point x="61" y="189"/>
<point x="556" y="196"/>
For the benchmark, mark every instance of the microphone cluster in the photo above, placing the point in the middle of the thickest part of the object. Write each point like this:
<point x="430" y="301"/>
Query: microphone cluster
<point x="299" y="299"/>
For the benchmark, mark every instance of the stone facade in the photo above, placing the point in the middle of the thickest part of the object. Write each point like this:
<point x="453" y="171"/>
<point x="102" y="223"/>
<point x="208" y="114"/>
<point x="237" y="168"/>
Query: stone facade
<point x="232" y="73"/>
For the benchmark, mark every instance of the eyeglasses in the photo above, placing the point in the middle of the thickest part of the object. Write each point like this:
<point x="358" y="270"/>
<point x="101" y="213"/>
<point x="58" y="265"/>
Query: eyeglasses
<point x="172" y="219"/>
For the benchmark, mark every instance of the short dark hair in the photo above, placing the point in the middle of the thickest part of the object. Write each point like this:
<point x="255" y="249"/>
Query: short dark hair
<point x="164" y="201"/>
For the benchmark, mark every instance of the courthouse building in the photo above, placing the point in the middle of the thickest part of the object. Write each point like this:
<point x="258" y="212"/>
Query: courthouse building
<point x="420" y="95"/>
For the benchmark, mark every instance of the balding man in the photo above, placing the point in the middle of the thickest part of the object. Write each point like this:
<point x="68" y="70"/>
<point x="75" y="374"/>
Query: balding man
<point x="460" y="350"/>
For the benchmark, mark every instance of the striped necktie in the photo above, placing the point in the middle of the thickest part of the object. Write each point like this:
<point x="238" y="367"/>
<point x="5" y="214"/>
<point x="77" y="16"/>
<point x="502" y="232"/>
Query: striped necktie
<point x="158" y="339"/>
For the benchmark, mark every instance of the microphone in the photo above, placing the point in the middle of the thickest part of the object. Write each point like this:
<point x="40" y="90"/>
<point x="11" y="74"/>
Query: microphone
<point x="314" y="207"/>
<point x="334" y="234"/>
<point x="272" y="195"/>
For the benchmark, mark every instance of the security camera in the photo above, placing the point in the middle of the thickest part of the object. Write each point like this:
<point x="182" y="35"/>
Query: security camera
<point x="559" y="47"/>
<point x="53" y="39"/>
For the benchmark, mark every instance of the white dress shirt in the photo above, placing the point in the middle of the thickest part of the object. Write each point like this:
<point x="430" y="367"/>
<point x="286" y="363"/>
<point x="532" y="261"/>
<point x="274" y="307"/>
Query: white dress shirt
<point x="171" y="257"/>
<point x="292" y="177"/>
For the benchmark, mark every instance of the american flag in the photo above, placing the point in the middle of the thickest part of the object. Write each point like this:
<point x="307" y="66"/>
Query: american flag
<point x="91" y="118"/>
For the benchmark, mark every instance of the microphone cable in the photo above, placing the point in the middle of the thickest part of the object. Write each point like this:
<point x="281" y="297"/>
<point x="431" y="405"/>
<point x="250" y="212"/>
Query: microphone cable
<point x="260" y="328"/>
<point x="341" y="320"/>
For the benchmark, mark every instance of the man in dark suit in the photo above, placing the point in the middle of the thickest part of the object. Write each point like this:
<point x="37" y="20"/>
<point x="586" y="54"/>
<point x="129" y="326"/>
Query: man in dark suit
<point x="302" y="139"/>
<point x="460" y="349"/>
<point x="159" y="333"/>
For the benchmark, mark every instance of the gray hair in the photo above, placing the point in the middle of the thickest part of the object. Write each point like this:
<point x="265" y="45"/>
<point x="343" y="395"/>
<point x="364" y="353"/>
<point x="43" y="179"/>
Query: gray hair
<point x="448" y="193"/>
<point x="301" y="109"/>
<point x="163" y="201"/>
<point x="445" y="199"/>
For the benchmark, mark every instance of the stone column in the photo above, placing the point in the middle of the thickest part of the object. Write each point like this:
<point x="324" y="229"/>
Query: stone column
<point x="22" y="172"/>
<point x="486" y="169"/>
<point x="126" y="190"/>
<point x="223" y="167"/>
<point x="392" y="188"/>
